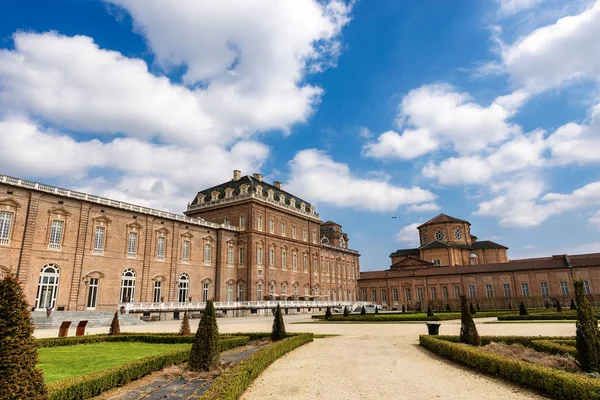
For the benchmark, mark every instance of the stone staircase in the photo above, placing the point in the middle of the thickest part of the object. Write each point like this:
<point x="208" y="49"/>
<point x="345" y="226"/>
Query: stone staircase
<point x="94" y="318"/>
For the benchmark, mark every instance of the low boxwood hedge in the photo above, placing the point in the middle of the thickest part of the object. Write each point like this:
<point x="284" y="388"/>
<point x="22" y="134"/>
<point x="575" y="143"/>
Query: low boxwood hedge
<point x="558" y="384"/>
<point x="84" y="387"/>
<point x="231" y="384"/>
<point x="562" y="316"/>
<point x="555" y="347"/>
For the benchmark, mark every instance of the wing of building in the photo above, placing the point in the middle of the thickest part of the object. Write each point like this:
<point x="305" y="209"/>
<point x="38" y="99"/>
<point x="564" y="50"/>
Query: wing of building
<point x="451" y="261"/>
<point x="243" y="240"/>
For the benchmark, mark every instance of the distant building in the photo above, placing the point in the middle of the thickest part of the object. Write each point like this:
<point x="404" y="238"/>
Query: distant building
<point x="451" y="261"/>
<point x="243" y="240"/>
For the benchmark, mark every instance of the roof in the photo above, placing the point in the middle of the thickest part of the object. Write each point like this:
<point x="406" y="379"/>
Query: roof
<point x="441" y="218"/>
<point x="252" y="182"/>
<point x="405" y="252"/>
<point x="487" y="244"/>
<point x="553" y="262"/>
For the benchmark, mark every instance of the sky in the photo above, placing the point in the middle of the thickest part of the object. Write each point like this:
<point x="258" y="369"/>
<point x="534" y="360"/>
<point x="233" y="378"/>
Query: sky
<point x="382" y="113"/>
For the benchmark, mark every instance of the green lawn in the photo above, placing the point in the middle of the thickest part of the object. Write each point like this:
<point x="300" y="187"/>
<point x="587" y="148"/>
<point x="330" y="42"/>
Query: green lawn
<point x="65" y="362"/>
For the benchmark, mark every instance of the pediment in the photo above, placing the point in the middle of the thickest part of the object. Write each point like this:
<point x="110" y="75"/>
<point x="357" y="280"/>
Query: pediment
<point x="163" y="231"/>
<point x="59" y="211"/>
<point x="10" y="203"/>
<point x="187" y="235"/>
<point x="411" y="261"/>
<point x="135" y="225"/>
<point x="102" y="219"/>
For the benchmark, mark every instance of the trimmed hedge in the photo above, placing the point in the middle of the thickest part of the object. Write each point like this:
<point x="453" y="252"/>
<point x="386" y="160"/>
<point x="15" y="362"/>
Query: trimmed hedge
<point x="84" y="387"/>
<point x="541" y="317"/>
<point x="560" y="347"/>
<point x="558" y="384"/>
<point x="232" y="383"/>
<point x="396" y="317"/>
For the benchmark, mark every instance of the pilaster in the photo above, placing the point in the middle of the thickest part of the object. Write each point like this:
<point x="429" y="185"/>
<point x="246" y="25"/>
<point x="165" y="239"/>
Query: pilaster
<point x="28" y="235"/>
<point x="79" y="254"/>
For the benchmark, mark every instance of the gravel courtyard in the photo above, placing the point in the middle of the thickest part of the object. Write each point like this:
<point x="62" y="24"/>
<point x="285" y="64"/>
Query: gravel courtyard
<point x="367" y="361"/>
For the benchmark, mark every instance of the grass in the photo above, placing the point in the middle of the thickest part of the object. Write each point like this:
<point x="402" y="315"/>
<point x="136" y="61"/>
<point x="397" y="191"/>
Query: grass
<point x="58" y="363"/>
<point x="324" y="335"/>
<point x="558" y="321"/>
<point x="405" y="317"/>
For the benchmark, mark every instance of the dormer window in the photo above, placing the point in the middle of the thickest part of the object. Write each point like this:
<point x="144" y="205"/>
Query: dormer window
<point x="244" y="189"/>
<point x="215" y="196"/>
<point x="293" y="202"/>
<point x="303" y="206"/>
<point x="200" y="199"/>
<point x="259" y="190"/>
<point x="282" y="199"/>
<point x="228" y="192"/>
<point x="270" y="194"/>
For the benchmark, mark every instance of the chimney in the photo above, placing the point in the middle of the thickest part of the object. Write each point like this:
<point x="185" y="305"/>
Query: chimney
<point x="258" y="177"/>
<point x="236" y="174"/>
<point x="277" y="184"/>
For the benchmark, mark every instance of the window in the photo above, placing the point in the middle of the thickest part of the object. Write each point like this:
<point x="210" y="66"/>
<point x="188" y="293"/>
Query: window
<point x="314" y="237"/>
<point x="544" y="288"/>
<point x="230" y="292"/>
<point x="419" y="294"/>
<point x="445" y="292"/>
<point x="205" y="292"/>
<point x="395" y="295"/>
<point x="259" y="223"/>
<point x="5" y="223"/>
<point x="439" y="235"/>
<point x="227" y="221"/>
<point x="284" y="289"/>
<point x="259" y="292"/>
<point x="364" y="295"/>
<point x="564" y="288"/>
<point x="240" y="292"/>
<point x="56" y="230"/>
<point x="457" y="291"/>
<point x="272" y="289"/>
<point x="383" y="296"/>
<point x="305" y="262"/>
<point x="295" y="292"/>
<point x="259" y="271"/>
<point x="183" y="288"/>
<point x="242" y="255"/>
<point x="293" y="232"/>
<point x="436" y="262"/>
<point x="157" y="290"/>
<point x="472" y="291"/>
<point x="185" y="251"/>
<point x="47" y="286"/>
<point x="132" y="244"/>
<point x="294" y="261"/>
<point x="271" y="257"/>
<point x="207" y="253"/>
<point x="283" y="259"/>
<point x="525" y="289"/>
<point x="128" y="286"/>
<point x="407" y="294"/>
<point x="243" y="222"/>
<point x="259" y="256"/>
<point x="271" y="226"/>
<point x="99" y="240"/>
<point x="489" y="291"/>
<point x="282" y="229"/>
<point x="93" y="293"/>
<point x="433" y="293"/>
<point x="304" y="234"/>
<point x="373" y="295"/>
<point x="586" y="287"/>
<point x="160" y="248"/>
<point x="230" y="255"/>
<point x="506" y="288"/>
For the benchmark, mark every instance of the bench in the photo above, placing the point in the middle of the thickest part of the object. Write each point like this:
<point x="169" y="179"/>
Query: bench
<point x="63" y="331"/>
<point x="81" y="328"/>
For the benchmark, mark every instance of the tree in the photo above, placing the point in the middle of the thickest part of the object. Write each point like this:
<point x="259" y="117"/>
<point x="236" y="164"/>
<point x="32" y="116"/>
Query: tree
<point x="429" y="312"/>
<point x="509" y="306"/>
<point x="328" y="313"/>
<point x="547" y="304"/>
<point x="115" y="329"/>
<point x="376" y="309"/>
<point x="523" y="309"/>
<point x="419" y="307"/>
<point x="205" y="350"/>
<point x="185" y="325"/>
<point x="478" y="309"/>
<point x="587" y="337"/>
<point x="346" y="312"/>
<point x="448" y="307"/>
<point x="363" y="311"/>
<point x="19" y="378"/>
<point x="573" y="305"/>
<point x="278" y="331"/>
<point x="403" y="308"/>
<point x="468" y="330"/>
<point x="472" y="309"/>
<point x="558" y="306"/>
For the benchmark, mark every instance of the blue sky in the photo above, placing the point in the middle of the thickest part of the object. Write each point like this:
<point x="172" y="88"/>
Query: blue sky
<point x="485" y="110"/>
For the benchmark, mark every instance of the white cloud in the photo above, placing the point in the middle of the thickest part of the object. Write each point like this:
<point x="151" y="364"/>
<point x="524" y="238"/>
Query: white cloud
<point x="409" y="235"/>
<point x="423" y="208"/>
<point x="510" y="7"/>
<point x="557" y="54"/>
<point x="364" y="132"/>
<point x="523" y="204"/>
<point x="575" y="143"/>
<point x="314" y="175"/>
<point x="595" y="220"/>
<point x="409" y="145"/>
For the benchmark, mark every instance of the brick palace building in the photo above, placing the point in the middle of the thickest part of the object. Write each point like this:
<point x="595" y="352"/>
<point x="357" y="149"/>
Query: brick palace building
<point x="451" y="261"/>
<point x="243" y="240"/>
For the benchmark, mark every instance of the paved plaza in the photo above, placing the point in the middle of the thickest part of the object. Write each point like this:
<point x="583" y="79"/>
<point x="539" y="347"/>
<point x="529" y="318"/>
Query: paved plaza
<point x="367" y="361"/>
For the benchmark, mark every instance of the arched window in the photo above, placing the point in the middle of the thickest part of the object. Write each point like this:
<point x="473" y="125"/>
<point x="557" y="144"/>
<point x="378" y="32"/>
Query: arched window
<point x="128" y="286"/>
<point x="48" y="286"/>
<point x="184" y="288"/>
<point x="342" y="243"/>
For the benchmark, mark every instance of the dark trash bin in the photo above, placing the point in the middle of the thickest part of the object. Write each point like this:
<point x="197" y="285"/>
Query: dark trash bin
<point x="433" y="329"/>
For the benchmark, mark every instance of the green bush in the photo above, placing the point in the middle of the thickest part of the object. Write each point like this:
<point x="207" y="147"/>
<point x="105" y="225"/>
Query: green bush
<point x="558" y="306"/>
<point x="573" y="305"/>
<point x="448" y="307"/>
<point x="167" y="338"/>
<point x="468" y="330"/>
<point x="278" y="330"/>
<point x="185" y="325"/>
<point x="539" y="317"/>
<point x="84" y="387"/>
<point x="346" y="312"/>
<point x="115" y="328"/>
<point x="403" y="308"/>
<point x="232" y="383"/>
<point x="555" y="347"/>
<point x="429" y="312"/>
<point x="472" y="309"/>
<point x="523" y="309"/>
<point x="363" y="311"/>
<point x="204" y="355"/>
<point x="328" y="313"/>
<point x="556" y="383"/>
<point x="587" y="334"/>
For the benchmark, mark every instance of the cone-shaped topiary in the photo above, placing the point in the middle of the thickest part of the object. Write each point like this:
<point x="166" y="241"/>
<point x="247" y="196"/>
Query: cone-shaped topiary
<point x="468" y="330"/>
<point x="403" y="308"/>
<point x="115" y="329"/>
<point x="363" y="311"/>
<point x="205" y="350"/>
<point x="588" y="335"/>
<point x="478" y="309"/>
<point x="19" y="378"/>
<point x="185" y="325"/>
<point x="278" y="331"/>
<point x="429" y="312"/>
<point x="547" y="304"/>
<point x="558" y="306"/>
<point x="328" y="313"/>
<point x="523" y="309"/>
<point x="419" y="307"/>
<point x="573" y="305"/>
<point x="472" y="309"/>
<point x="376" y="309"/>
<point x="448" y="307"/>
<point x="509" y="306"/>
<point x="346" y="312"/>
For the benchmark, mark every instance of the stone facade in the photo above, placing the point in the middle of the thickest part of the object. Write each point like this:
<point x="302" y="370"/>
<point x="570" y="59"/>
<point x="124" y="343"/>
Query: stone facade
<point x="80" y="251"/>
<point x="455" y="263"/>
